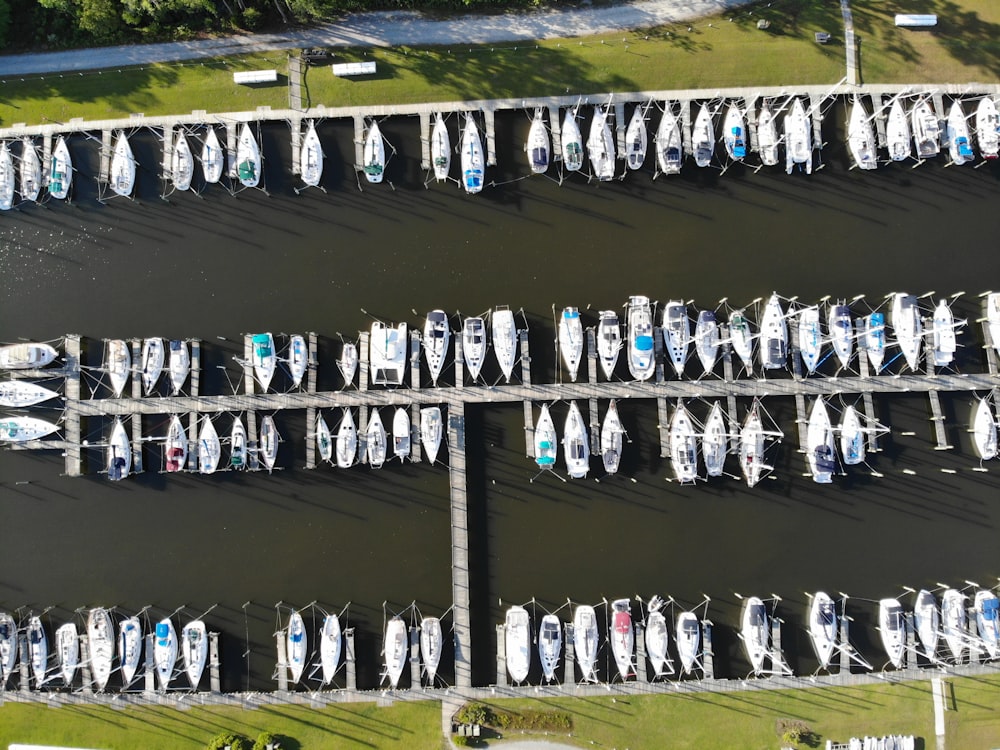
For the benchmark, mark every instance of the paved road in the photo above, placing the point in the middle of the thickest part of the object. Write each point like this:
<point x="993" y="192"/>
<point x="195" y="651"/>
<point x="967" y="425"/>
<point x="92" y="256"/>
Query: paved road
<point x="384" y="29"/>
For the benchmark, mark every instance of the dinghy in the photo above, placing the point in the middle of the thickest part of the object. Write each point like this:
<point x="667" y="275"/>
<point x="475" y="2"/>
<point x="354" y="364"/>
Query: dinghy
<point x="474" y="345"/>
<point x="437" y="335"/>
<point x="838" y="322"/>
<point x="706" y="339"/>
<point x="38" y="650"/>
<point x="927" y="622"/>
<point x="715" y="442"/>
<point x="601" y="146"/>
<point x="609" y="341"/>
<point x="20" y="394"/>
<point x="297" y="646"/>
<point x="118" y="365"/>
<point x="401" y="434"/>
<point x="68" y="652"/>
<point x="820" y="452"/>
<point x="375" y="441"/>
<point x="773" y="336"/>
<point x="119" y="462"/>
<point x="330" y="647"/>
<point x="810" y="338"/>
<point x="26" y="356"/>
<point x="324" y="438"/>
<point x="741" y="338"/>
<point x="546" y="440"/>
<point x="586" y="639"/>
<point x="129" y="647"/>
<point x="247" y="158"/>
<point x="987" y="128"/>
<point x="676" y="334"/>
<point x="440" y="149"/>
<point x="984" y="430"/>
<point x="683" y="446"/>
<point x="755" y="632"/>
<point x="6" y="178"/>
<point x="267" y="448"/>
<point x="238" y="445"/>
<point x="194" y="650"/>
<point x="537" y="144"/>
<point x="31" y="171"/>
<point x="549" y="646"/>
<point x="943" y="335"/>
<point x="298" y="359"/>
<point x="60" y="177"/>
<point x="657" y="638"/>
<point x="576" y="443"/>
<point x="387" y="353"/>
<point x="164" y="651"/>
<point x="861" y="137"/>
<point x="926" y="130"/>
<point x="8" y="647"/>
<point x="213" y="158"/>
<point x="181" y="163"/>
<point x="767" y="135"/>
<point x="374" y="154"/>
<point x="907" y="326"/>
<point x="668" y="142"/>
<point x="153" y="357"/>
<point x="571" y="340"/>
<point x="703" y="137"/>
<point x="347" y="440"/>
<point x="752" y="438"/>
<point x="504" y="331"/>
<point x="175" y="447"/>
<point x="612" y="439"/>
<point x="395" y="650"/>
<point x="431" y="427"/>
<point x="641" y="354"/>
<point x="892" y="627"/>
<point x="688" y="639"/>
<point x="24" y="429"/>
<point x="348" y="363"/>
<point x="636" y="140"/>
<point x="954" y="620"/>
<point x="622" y="637"/>
<point x="209" y="447"/>
<point x="572" y="142"/>
<point x="179" y="364"/>
<point x="100" y="645"/>
<point x="798" y="138"/>
<point x="122" y="176"/>
<point x="517" y="640"/>
<point x="263" y="358"/>
<point x="311" y="157"/>
<point x="873" y="340"/>
<point x="897" y="132"/>
<point x="987" y="608"/>
<point x="956" y="134"/>
<point x="473" y="168"/>
<point x="823" y="627"/>
<point x="734" y="135"/>
<point x="852" y="437"/>
<point x="431" y="642"/>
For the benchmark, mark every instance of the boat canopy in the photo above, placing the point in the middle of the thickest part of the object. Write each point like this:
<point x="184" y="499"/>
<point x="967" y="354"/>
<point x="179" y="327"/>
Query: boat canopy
<point x="162" y="632"/>
<point x="644" y="343"/>
<point x="990" y="608"/>
<point x="247" y="170"/>
<point x="545" y="460"/>
<point x="571" y="314"/>
<point x="963" y="147"/>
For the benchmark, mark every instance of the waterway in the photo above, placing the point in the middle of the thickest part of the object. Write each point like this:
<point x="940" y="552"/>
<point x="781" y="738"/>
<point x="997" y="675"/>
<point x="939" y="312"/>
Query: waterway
<point x="217" y="266"/>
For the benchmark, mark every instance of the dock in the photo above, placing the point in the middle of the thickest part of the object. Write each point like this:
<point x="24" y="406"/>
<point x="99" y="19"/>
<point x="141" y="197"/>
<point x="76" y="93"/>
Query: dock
<point x="459" y="545"/>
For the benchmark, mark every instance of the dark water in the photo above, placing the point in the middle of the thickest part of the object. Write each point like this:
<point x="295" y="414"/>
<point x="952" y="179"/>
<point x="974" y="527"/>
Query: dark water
<point x="220" y="266"/>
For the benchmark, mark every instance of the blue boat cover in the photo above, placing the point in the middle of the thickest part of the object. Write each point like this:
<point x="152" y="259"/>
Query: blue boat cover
<point x="990" y="607"/>
<point x="545" y="461"/>
<point x="162" y="632"/>
<point x="643" y="343"/>
<point x="963" y="147"/>
<point x="571" y="314"/>
<point x="296" y="637"/>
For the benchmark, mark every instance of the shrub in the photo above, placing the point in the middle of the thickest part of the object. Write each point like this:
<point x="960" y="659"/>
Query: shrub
<point x="461" y="741"/>
<point x="234" y="741"/>
<point x="475" y="713"/>
<point x="263" y="740"/>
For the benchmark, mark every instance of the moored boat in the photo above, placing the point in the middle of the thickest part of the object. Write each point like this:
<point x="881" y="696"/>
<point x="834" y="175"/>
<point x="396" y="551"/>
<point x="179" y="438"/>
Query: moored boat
<point x="238" y="445"/>
<point x="987" y="128"/>
<point x="741" y="338"/>
<point x="129" y="647"/>
<point x="26" y="356"/>
<point x="688" y="639"/>
<point x="213" y="158"/>
<point x="861" y="137"/>
<point x="330" y="647"/>
<point x="347" y="363"/>
<point x="657" y="638"/>
<point x="267" y="447"/>
<point x="118" y="365"/>
<point x="387" y="353"/>
<point x="164" y="651"/>
<point x="703" y="137"/>
<point x="30" y="172"/>
<point x="641" y="352"/>
<point x="576" y="443"/>
<point x="21" y="393"/>
<point x="296" y="646"/>
<point x="612" y="439"/>
<point x="440" y="148"/>
<point x="474" y="345"/>
<point x="549" y="646"/>
<point x="431" y="428"/>
<point x="546" y="440"/>
<point x="622" y="637"/>
<point x="175" y="447"/>
<point x="676" y="334"/>
<point x="734" y="135"/>
<point x="437" y="336"/>
<point x="767" y="135"/>
<point x="298" y="359"/>
<point x="706" y="339"/>
<point x="773" y="335"/>
<point x="247" y="158"/>
<point x="943" y="335"/>
<point x="60" y="175"/>
<point x="517" y="638"/>
<point x="311" y="157"/>
<point x="715" y="442"/>
<point x="798" y="138"/>
<point x="987" y="608"/>
<point x="401" y="434"/>
<point x="636" y="140"/>
<point x="956" y="134"/>
<point x="209" y="447"/>
<point x="374" y="154"/>
<point x="6" y="178"/>
<point x="473" y="168"/>
<point x="892" y="628"/>
<point x="954" y="618"/>
<point x="991" y="305"/>
<point x="67" y="651"/>
<point x="984" y="430"/>
<point x="119" y="462"/>
<point x="194" y="650"/>
<point x="347" y="440"/>
<point x="927" y="622"/>
<point x="153" y="357"/>
<point x="537" y="145"/>
<point x="897" y="132"/>
<point x="908" y="328"/>
<point x="668" y="142"/>
<point x="38" y="650"/>
<point x="601" y="145"/>
<point x="852" y="437"/>
<point x="8" y="647"/>
<point x="375" y="441"/>
<point x="431" y="641"/>
<point x="873" y="340"/>
<point x="324" y="438"/>
<point x="926" y="130"/>
<point x="823" y="627"/>
<point x="24" y="429"/>
<point x="752" y="445"/>
<point x="100" y="645"/>
<point x="264" y="358"/>
<point x="683" y="445"/>
<point x="586" y="639"/>
<point x="810" y="337"/>
<point x="504" y="334"/>
<point x="179" y="364"/>
<point x="755" y="632"/>
<point x="820" y="451"/>
<point x="181" y="162"/>
<point x="838" y="322"/>
<point x="122" y="175"/>
<point x="572" y="142"/>
<point x="571" y="340"/>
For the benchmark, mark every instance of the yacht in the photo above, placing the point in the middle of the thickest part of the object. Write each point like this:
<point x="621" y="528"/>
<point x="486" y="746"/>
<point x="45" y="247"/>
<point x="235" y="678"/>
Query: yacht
<point x="440" y="149"/>
<point x="9" y="647"/>
<point x="209" y="447"/>
<point x="247" y="158"/>
<point x="517" y="640"/>
<point x="820" y="451"/>
<point x="330" y="647"/>
<point x="504" y="334"/>
<point x="118" y="365"/>
<point x="68" y="652"/>
<point x="472" y="157"/>
<point x="6" y="178"/>
<point x="927" y="622"/>
<point x="537" y="145"/>
<point x="213" y="157"/>
<point x="129" y="647"/>
<point x="375" y="440"/>
<point x="119" y="462"/>
<point x="401" y="434"/>
<point x="347" y="440"/>
<point x="298" y="359"/>
<point x="861" y="137"/>
<point x="907" y="326"/>
<point x="706" y="339"/>
<point x="546" y="440"/>
<point x="311" y="156"/>
<point x="810" y="337"/>
<point x="153" y="357"/>
<point x="297" y="646"/>
<point x="987" y="608"/>
<point x="676" y="334"/>
<point x="926" y="130"/>
<point x="897" y="132"/>
<point x="954" y="621"/>
<point x="622" y="637"/>
<point x="798" y="138"/>
<point x="572" y="142"/>
<point x="394" y="649"/>
<point x="31" y="171"/>
<point x="571" y="340"/>
<point x="194" y="650"/>
<point x="892" y="627"/>
<point x="267" y="448"/>
<point x="956" y="135"/>
<point x="264" y="358"/>
<point x="122" y="174"/>
<point x="741" y="338"/>
<point x="348" y="362"/>
<point x="838" y="321"/>
<point x="609" y="342"/>
<point x="636" y="140"/>
<point x="586" y="640"/>
<point x="179" y="364"/>
<point x="943" y="335"/>
<point x="164" y="651"/>
<point x="873" y="340"/>
<point x="755" y="632"/>
<point x="24" y="429"/>
<point x="715" y="442"/>
<point x="26" y="356"/>
<point x="668" y="142"/>
<point x="703" y="137"/>
<point x="60" y="177"/>
<point x="688" y="638"/>
<point x="984" y="430"/>
<point x="238" y="445"/>
<point x="324" y="438"/>
<point x="550" y="646"/>
<point x="601" y="146"/>
<point x="181" y="163"/>
<point x="431" y="642"/>
<point x="657" y="638"/>
<point x="38" y="650"/>
<point x="987" y="128"/>
<point x="474" y="345"/>
<point x="431" y="428"/>
<point x="767" y="135"/>
<point x="823" y="627"/>
<point x="374" y="154"/>
<point x="576" y="443"/>
<point x="773" y="336"/>
<point x="21" y="393"/>
<point x="612" y="438"/>
<point x="387" y="353"/>
<point x="437" y="335"/>
<point x="641" y="354"/>
<point x="852" y="437"/>
<point x="734" y="134"/>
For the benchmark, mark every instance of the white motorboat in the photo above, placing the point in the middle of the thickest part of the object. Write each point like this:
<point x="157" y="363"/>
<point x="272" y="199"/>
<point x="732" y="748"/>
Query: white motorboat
<point x="7" y="178"/>
<point x="311" y="157"/>
<point x="571" y="340"/>
<point x="298" y="359"/>
<point x="908" y="328"/>
<point x="175" y="447"/>
<point x="641" y="354"/>
<point x="798" y="138"/>
<point x="101" y="645"/>
<point x="683" y="445"/>
<point x="991" y="305"/>
<point x="324" y="438"/>
<point x="773" y="335"/>
<point x="213" y="158"/>
<point x="387" y="353"/>
<point x="943" y="335"/>
<point x="706" y="339"/>
<point x="609" y="341"/>
<point x="892" y="627"/>
<point x="119" y="462"/>
<point x="601" y="146"/>
<point x="820" y="450"/>
<point x="8" y="647"/>
<point x="129" y="647"/>
<point x="437" y="336"/>
<point x="767" y="135"/>
<point x="473" y="167"/>
<point x="179" y="364"/>
<point x="873" y="340"/>
<point x="26" y="356"/>
<point x="612" y="439"/>
<point x="194" y="650"/>
<point x="861" y="137"/>
<point x="987" y="608"/>
<point x="703" y="137"/>
<point x="181" y="162"/>
<point x="118" y="365"/>
<point x="622" y="637"/>
<point x="956" y="135"/>
<point x="549" y="646"/>
<point x="810" y="337"/>
<point x="504" y="332"/>
<point x="395" y="650"/>
<point x="296" y="646"/>
<point x="38" y="650"/>
<point x="474" y="345"/>
<point x="657" y="638"/>
<point x="67" y="651"/>
<point x="572" y="142"/>
<point x="546" y="440"/>
<point x="734" y="134"/>
<point x="60" y="176"/>
<point x="401" y="434"/>
<point x="668" y="142"/>
<point x="852" y="436"/>
<point x="247" y="158"/>
<point x="752" y="445"/>
<point x="954" y="621"/>
<point x="677" y="334"/>
<point x="375" y="441"/>
<point x="586" y="640"/>
<point x="897" y="132"/>
<point x="31" y="171"/>
<point x="374" y="154"/>
<point x="440" y="148"/>
<point x="926" y="130"/>
<point x="517" y="638"/>
<point x="688" y="638"/>
<point x="122" y="175"/>
<point x="153" y="357"/>
<point x="24" y="429"/>
<point x="984" y="430"/>
<point x="238" y="445"/>
<point x="164" y="651"/>
<point x="988" y="128"/>
<point x="347" y="440"/>
<point x="838" y="322"/>
<point x="537" y="145"/>
<point x="348" y="362"/>
<point x="576" y="443"/>
<point x="209" y="447"/>
<point x="636" y="140"/>
<point x="431" y="642"/>
<point x="823" y="627"/>
<point x="715" y="442"/>
<point x="431" y="429"/>
<point x="927" y="622"/>
<point x="330" y="647"/>
<point x="741" y="338"/>
<point x="264" y="358"/>
<point x="21" y="393"/>
<point x="267" y="448"/>
<point x="755" y="632"/>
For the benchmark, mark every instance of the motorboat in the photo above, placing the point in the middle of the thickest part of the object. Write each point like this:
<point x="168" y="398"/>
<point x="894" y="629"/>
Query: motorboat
<point x="517" y="639"/>
<point x="375" y="440"/>
<point x="954" y="619"/>
<point x="31" y="171"/>
<point x="298" y="358"/>
<point x="401" y="434"/>
<point x="752" y="446"/>
<point x="374" y="154"/>
<point x="181" y="163"/>
<point x="296" y="646"/>
<point x="622" y="636"/>
<point x="715" y="442"/>
<point x="810" y="337"/>
<point x="991" y="304"/>
<point x="21" y="393"/>
<point x="798" y="138"/>
<point x="549" y="646"/>
<point x="100" y="645"/>
<point x="657" y="637"/>
<point x="8" y="647"/>
<point x="213" y="158"/>
<point x="38" y="650"/>
<point x="668" y="142"/>
<point x="431" y="428"/>
<point x="348" y="362"/>
<point x="703" y="137"/>
<point x="773" y="335"/>
<point x="7" y="178"/>
<point x="324" y="438"/>
<point x="473" y="167"/>
<point x="67" y="651"/>
<point x="852" y="437"/>
<point x="264" y="358"/>
<point x="706" y="339"/>
<point x="440" y="149"/>
<point x="330" y="647"/>
<point x="676" y="334"/>
<point x="395" y="650"/>
<point x="164" y="651"/>
<point x="683" y="445"/>
<point x="546" y="440"/>
<point x="311" y="157"/>
<point x="504" y="332"/>
<point x="823" y="627"/>
<point x="873" y="339"/>
<point x="571" y="340"/>
<point x="119" y="462"/>
<point x="926" y="130"/>
<point x="238" y="445"/>
<point x="820" y="451"/>
<point x="767" y="135"/>
<point x="861" y="137"/>
<point x="129" y="647"/>
<point x="943" y="335"/>
<point x="636" y="140"/>
<point x="179" y="364"/>
<point x="956" y="135"/>
<point x="209" y="447"/>
<point x="612" y="439"/>
<point x="474" y="345"/>
<point x="437" y="335"/>
<point x="537" y="144"/>
<point x="175" y="447"/>
<point x="122" y="174"/>
<point x="984" y="430"/>
<point x="26" y="356"/>
<point x="688" y="639"/>
<point x="118" y="365"/>
<point x="927" y="622"/>
<point x="838" y="322"/>
<point x="892" y="627"/>
<point x="387" y="353"/>
<point x="908" y="328"/>
<point x="24" y="429"/>
<point x="987" y="608"/>
<point x="572" y="142"/>
<point x="194" y="650"/>
<point x="431" y="642"/>
<point x="247" y="158"/>
<point x="641" y="354"/>
<point x="576" y="443"/>
<point x="609" y="341"/>
<point x="755" y="632"/>
<point x="347" y="440"/>
<point x="897" y="132"/>
<point x="987" y="128"/>
<point x="586" y="640"/>
<point x="60" y="176"/>
<point x="734" y="134"/>
<point x="153" y="357"/>
<point x="267" y="448"/>
<point x="601" y="146"/>
<point x="741" y="338"/>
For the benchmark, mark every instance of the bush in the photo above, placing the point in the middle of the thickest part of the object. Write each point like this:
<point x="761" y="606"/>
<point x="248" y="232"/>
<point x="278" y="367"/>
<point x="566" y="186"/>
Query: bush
<point x="234" y="741"/>
<point x="252" y="18"/>
<point x="263" y="740"/>
<point x="461" y="741"/>
<point x="474" y="713"/>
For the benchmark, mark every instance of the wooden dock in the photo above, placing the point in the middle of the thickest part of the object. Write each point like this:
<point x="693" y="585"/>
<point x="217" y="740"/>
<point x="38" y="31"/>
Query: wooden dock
<point x="459" y="545"/>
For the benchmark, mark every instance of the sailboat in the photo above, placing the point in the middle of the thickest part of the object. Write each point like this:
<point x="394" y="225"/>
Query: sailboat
<point x="798" y="138"/>
<point x="546" y="440"/>
<point x="209" y="447"/>
<point x="734" y="133"/>
<point x="504" y="334"/>
<point x="375" y="440"/>
<point x="267" y="448"/>
<point x="838" y="322"/>
<point x="473" y="168"/>
<point x="101" y="645"/>
<point x="122" y="175"/>
<point x="767" y="135"/>
<point x="755" y="632"/>
<point x="657" y="638"/>
<point x="622" y="636"/>
<point x="213" y="158"/>
<point x="38" y="650"/>
<point x="517" y="639"/>
<point x="688" y="638"/>
<point x="181" y="163"/>
<point x="194" y="650"/>
<point x="153" y="356"/>
<point x="852" y="437"/>
<point x="311" y="156"/>
<point x="330" y="647"/>
<point x="810" y="337"/>
<point x="987" y="128"/>
<point x="954" y="620"/>
<point x="118" y="365"/>
<point x="387" y="353"/>
<point x="571" y="340"/>
<point x="164" y="651"/>
<point x="636" y="140"/>
<point x="683" y="445"/>
<point x="29" y="355"/>
<point x="298" y="358"/>
<point x="676" y="334"/>
<point x="175" y="448"/>
<point x="537" y="144"/>
<point x="612" y="439"/>
<point x="60" y="177"/>
<point x="129" y="647"/>
<point x="609" y="341"/>
<point x="706" y="339"/>
<point x="576" y="443"/>
<point x="927" y="621"/>
<point x="668" y="142"/>
<point x="247" y="157"/>
<point x="586" y="639"/>
<point x="601" y="146"/>
<point x="324" y="438"/>
<point x="823" y="627"/>
<point x="873" y="339"/>
<point x="67" y="651"/>
<point x="572" y="142"/>
<point x="431" y="641"/>
<point x="984" y="430"/>
<point x="549" y="646"/>
<point x="987" y="608"/>
<point x="956" y="135"/>
<point x="437" y="335"/>
<point x="374" y="154"/>
<point x="21" y="393"/>
<point x="6" y="178"/>
<point x="401" y="434"/>
<point x="861" y="137"/>
<point x="892" y="627"/>
<point x="474" y="345"/>
<point x="741" y="338"/>
<point x="431" y="427"/>
<point x="238" y="445"/>
<point x="440" y="148"/>
<point x="119" y="462"/>
<point x="820" y="452"/>
<point x="926" y="130"/>
<point x="31" y="171"/>
<point x="394" y="649"/>
<point x="703" y="137"/>
<point x="8" y="646"/>
<point x="347" y="440"/>
<point x="907" y="326"/>
<point x="296" y="645"/>
<point x="179" y="364"/>
<point x="773" y="335"/>
<point x="897" y="132"/>
<point x="263" y="358"/>
<point x="943" y="335"/>
<point x="641" y="355"/>
<point x="715" y="442"/>
<point x="24" y="429"/>
<point x="752" y="445"/>
<point x="347" y="363"/>
<point x="991" y="305"/>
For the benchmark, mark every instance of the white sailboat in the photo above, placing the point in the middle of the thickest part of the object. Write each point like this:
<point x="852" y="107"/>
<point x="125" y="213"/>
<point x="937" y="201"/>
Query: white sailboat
<point x="897" y="132"/>
<point x="715" y="442"/>
<point x="394" y="649"/>
<point x="175" y="447"/>
<point x="741" y="338"/>
<point x="6" y="178"/>
<point x="347" y="440"/>
<point x="706" y="339"/>
<point x="38" y="650"/>
<point x="956" y="135"/>
<point x="683" y="445"/>
<point x="122" y="174"/>
<point x="264" y="358"/>
<point x="194" y="650"/>
<point x="734" y="135"/>
<point x="991" y="306"/>
<point x="118" y="365"/>
<point x="641" y="354"/>
<point x="504" y="335"/>
<point x="810" y="337"/>
<point x="586" y="640"/>
<point x="549" y="646"/>
<point x="213" y="158"/>
<point x="29" y="355"/>
<point x="181" y="163"/>
<point x="330" y="647"/>
<point x="852" y="437"/>
<point x="474" y="345"/>
<point x="926" y="130"/>
<point x="119" y="462"/>
<point x="267" y="448"/>
<point x="324" y="438"/>
<point x="657" y="638"/>
<point x="374" y="154"/>
<point x="798" y="138"/>
<point x="164" y="651"/>
<point x="440" y="148"/>
<point x="375" y="440"/>
<point x="387" y="353"/>
<point x="612" y="439"/>
<point x="296" y="646"/>
<point x="431" y="642"/>
<point x="988" y="128"/>
<point x="755" y="632"/>
<point x="347" y="363"/>
<point x="21" y="393"/>
<point x="517" y="639"/>
<point x="101" y="645"/>
<point x="984" y="430"/>
<point x="60" y="176"/>
<point x="861" y="137"/>
<point x="873" y="340"/>
<point x="238" y="445"/>
<point x="401" y="434"/>
<point x="546" y="440"/>
<point x="753" y="438"/>
<point x="601" y="146"/>
<point x="298" y="359"/>
<point x="622" y="637"/>
<point x="431" y="428"/>
<point x="892" y="628"/>
<point x="68" y="651"/>
<point x="8" y="647"/>
<point x="954" y="621"/>
<point x="823" y="627"/>
<point x="609" y="341"/>
<point x="703" y="137"/>
<point x="943" y="335"/>
<point x="987" y="608"/>
<point x="820" y="451"/>
<point x="927" y="622"/>
<point x="576" y="443"/>
<point x="311" y="156"/>
<point x="636" y="140"/>
<point x="24" y="429"/>
<point x="668" y="142"/>
<point x="907" y="326"/>
<point x="153" y="357"/>
<point x="838" y="322"/>
<point x="773" y="335"/>
<point x="688" y="638"/>
<point x="179" y="364"/>
<point x="571" y="340"/>
<point x="676" y="334"/>
<point x="31" y="171"/>
<point x="209" y="447"/>
<point x="247" y="158"/>
<point x="537" y="145"/>
<point x="572" y="142"/>
<point x="473" y="168"/>
<point x="767" y="135"/>
<point x="437" y="336"/>
<point x="129" y="647"/>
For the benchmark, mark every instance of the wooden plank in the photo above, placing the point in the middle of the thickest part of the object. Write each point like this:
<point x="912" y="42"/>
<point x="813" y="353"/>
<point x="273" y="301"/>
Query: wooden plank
<point x="459" y="546"/>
